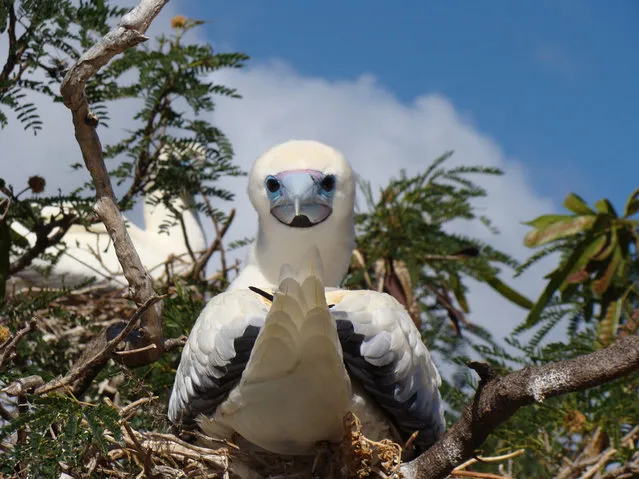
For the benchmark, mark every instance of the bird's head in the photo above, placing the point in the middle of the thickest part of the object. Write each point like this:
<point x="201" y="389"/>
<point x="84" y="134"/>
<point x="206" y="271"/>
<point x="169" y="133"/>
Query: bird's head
<point x="302" y="184"/>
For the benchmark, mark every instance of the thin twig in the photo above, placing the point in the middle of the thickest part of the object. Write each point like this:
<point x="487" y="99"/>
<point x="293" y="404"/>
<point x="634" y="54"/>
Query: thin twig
<point x="217" y="243"/>
<point x="503" y="457"/>
<point x="43" y="241"/>
<point x="479" y="475"/>
<point x="9" y="345"/>
<point x="173" y="343"/>
<point x="130" y="408"/>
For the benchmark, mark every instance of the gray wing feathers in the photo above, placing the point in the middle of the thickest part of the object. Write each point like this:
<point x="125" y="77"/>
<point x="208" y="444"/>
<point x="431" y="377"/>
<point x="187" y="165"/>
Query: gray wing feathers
<point x="216" y="354"/>
<point x="384" y="351"/>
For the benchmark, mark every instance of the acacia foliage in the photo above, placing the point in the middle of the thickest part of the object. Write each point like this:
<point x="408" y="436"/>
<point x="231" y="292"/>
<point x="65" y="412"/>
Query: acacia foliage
<point x="170" y="77"/>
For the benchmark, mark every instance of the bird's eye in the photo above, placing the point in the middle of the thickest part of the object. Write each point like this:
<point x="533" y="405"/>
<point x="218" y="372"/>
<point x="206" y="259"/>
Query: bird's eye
<point x="328" y="183"/>
<point x="272" y="185"/>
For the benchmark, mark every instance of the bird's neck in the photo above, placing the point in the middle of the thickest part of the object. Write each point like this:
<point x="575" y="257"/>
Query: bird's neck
<point x="156" y="213"/>
<point x="278" y="244"/>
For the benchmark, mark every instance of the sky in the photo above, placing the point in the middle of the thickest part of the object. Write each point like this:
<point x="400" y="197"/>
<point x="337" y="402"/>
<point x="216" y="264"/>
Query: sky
<point x="545" y="91"/>
<point x="554" y="81"/>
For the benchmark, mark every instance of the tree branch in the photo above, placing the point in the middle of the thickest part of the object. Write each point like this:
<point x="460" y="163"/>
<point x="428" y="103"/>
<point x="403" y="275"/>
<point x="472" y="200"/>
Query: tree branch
<point x="6" y="348"/>
<point x="99" y="358"/>
<point x="498" y="398"/>
<point x="43" y="241"/>
<point x="216" y="245"/>
<point x="129" y="33"/>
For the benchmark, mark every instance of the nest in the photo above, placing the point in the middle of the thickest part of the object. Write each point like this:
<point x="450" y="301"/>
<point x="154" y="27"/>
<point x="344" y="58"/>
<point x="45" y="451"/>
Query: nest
<point x="167" y="456"/>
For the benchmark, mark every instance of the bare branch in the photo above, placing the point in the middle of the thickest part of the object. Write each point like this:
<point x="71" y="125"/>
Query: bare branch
<point x="173" y="343"/>
<point x="216" y="245"/>
<point x="102" y="356"/>
<point x="498" y="398"/>
<point x="43" y="241"/>
<point x="22" y="385"/>
<point x="9" y="345"/>
<point x="129" y="33"/>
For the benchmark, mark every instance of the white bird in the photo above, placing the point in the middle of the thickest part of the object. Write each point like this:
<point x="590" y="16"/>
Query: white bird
<point x="283" y="374"/>
<point x="88" y="252"/>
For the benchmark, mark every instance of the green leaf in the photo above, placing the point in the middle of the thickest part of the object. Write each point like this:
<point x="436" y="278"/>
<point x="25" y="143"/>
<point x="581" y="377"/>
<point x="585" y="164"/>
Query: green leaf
<point x="611" y="242"/>
<point x="559" y="229"/>
<point x="632" y="205"/>
<point x="611" y="312"/>
<point x="545" y="220"/>
<point x="631" y="208"/>
<point x="577" y="205"/>
<point x="579" y="274"/>
<point x="508" y="292"/>
<point x="97" y="429"/>
<point x="601" y="285"/>
<point x="605" y="206"/>
<point x="593" y="247"/>
<point x="458" y="292"/>
<point x="556" y="280"/>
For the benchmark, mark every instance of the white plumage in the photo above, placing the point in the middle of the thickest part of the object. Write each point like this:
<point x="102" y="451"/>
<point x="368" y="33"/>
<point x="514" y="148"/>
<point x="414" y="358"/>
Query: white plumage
<point x="89" y="251"/>
<point x="283" y="375"/>
<point x="276" y="243"/>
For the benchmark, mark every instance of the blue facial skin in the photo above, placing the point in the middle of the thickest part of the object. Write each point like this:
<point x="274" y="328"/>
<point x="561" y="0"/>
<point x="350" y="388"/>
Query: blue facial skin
<point x="301" y="198"/>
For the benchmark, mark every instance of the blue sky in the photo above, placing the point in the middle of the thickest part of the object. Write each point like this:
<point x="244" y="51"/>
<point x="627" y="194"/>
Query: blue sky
<point x="554" y="83"/>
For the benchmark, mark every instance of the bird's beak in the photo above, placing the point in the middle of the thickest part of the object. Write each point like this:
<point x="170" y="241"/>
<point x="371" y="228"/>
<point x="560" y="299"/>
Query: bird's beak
<point x="301" y="202"/>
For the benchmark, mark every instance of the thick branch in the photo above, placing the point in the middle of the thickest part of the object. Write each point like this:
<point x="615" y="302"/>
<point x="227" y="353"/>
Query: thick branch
<point x="497" y="399"/>
<point x="12" y="57"/>
<point x="129" y="33"/>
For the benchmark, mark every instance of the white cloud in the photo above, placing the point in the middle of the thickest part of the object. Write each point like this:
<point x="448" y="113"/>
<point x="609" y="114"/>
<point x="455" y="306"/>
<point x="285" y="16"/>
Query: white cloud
<point x="380" y="135"/>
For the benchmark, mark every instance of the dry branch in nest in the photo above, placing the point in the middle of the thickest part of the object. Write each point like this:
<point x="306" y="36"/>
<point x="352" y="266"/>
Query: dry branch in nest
<point x="164" y="455"/>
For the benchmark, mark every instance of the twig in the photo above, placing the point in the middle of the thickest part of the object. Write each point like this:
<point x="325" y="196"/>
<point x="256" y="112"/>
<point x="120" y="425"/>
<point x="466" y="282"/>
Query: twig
<point x="359" y="257"/>
<point x="498" y="398"/>
<point x="9" y="345"/>
<point x="127" y="352"/>
<point x="129" y="33"/>
<point x="7" y="203"/>
<point x="479" y="475"/>
<point x="599" y="464"/>
<point x="444" y="257"/>
<point x="204" y="259"/>
<point x="130" y="408"/>
<point x="101" y="356"/>
<point x="43" y="241"/>
<point x="503" y="457"/>
<point x="173" y="343"/>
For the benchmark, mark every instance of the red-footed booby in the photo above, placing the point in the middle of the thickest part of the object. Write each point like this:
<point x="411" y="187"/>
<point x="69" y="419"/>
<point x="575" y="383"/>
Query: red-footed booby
<point x="281" y="372"/>
<point x="88" y="252"/>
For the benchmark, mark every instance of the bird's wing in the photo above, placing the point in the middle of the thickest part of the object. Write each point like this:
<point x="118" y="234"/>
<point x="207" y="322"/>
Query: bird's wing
<point x="384" y="351"/>
<point x="216" y="353"/>
<point x="295" y="389"/>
